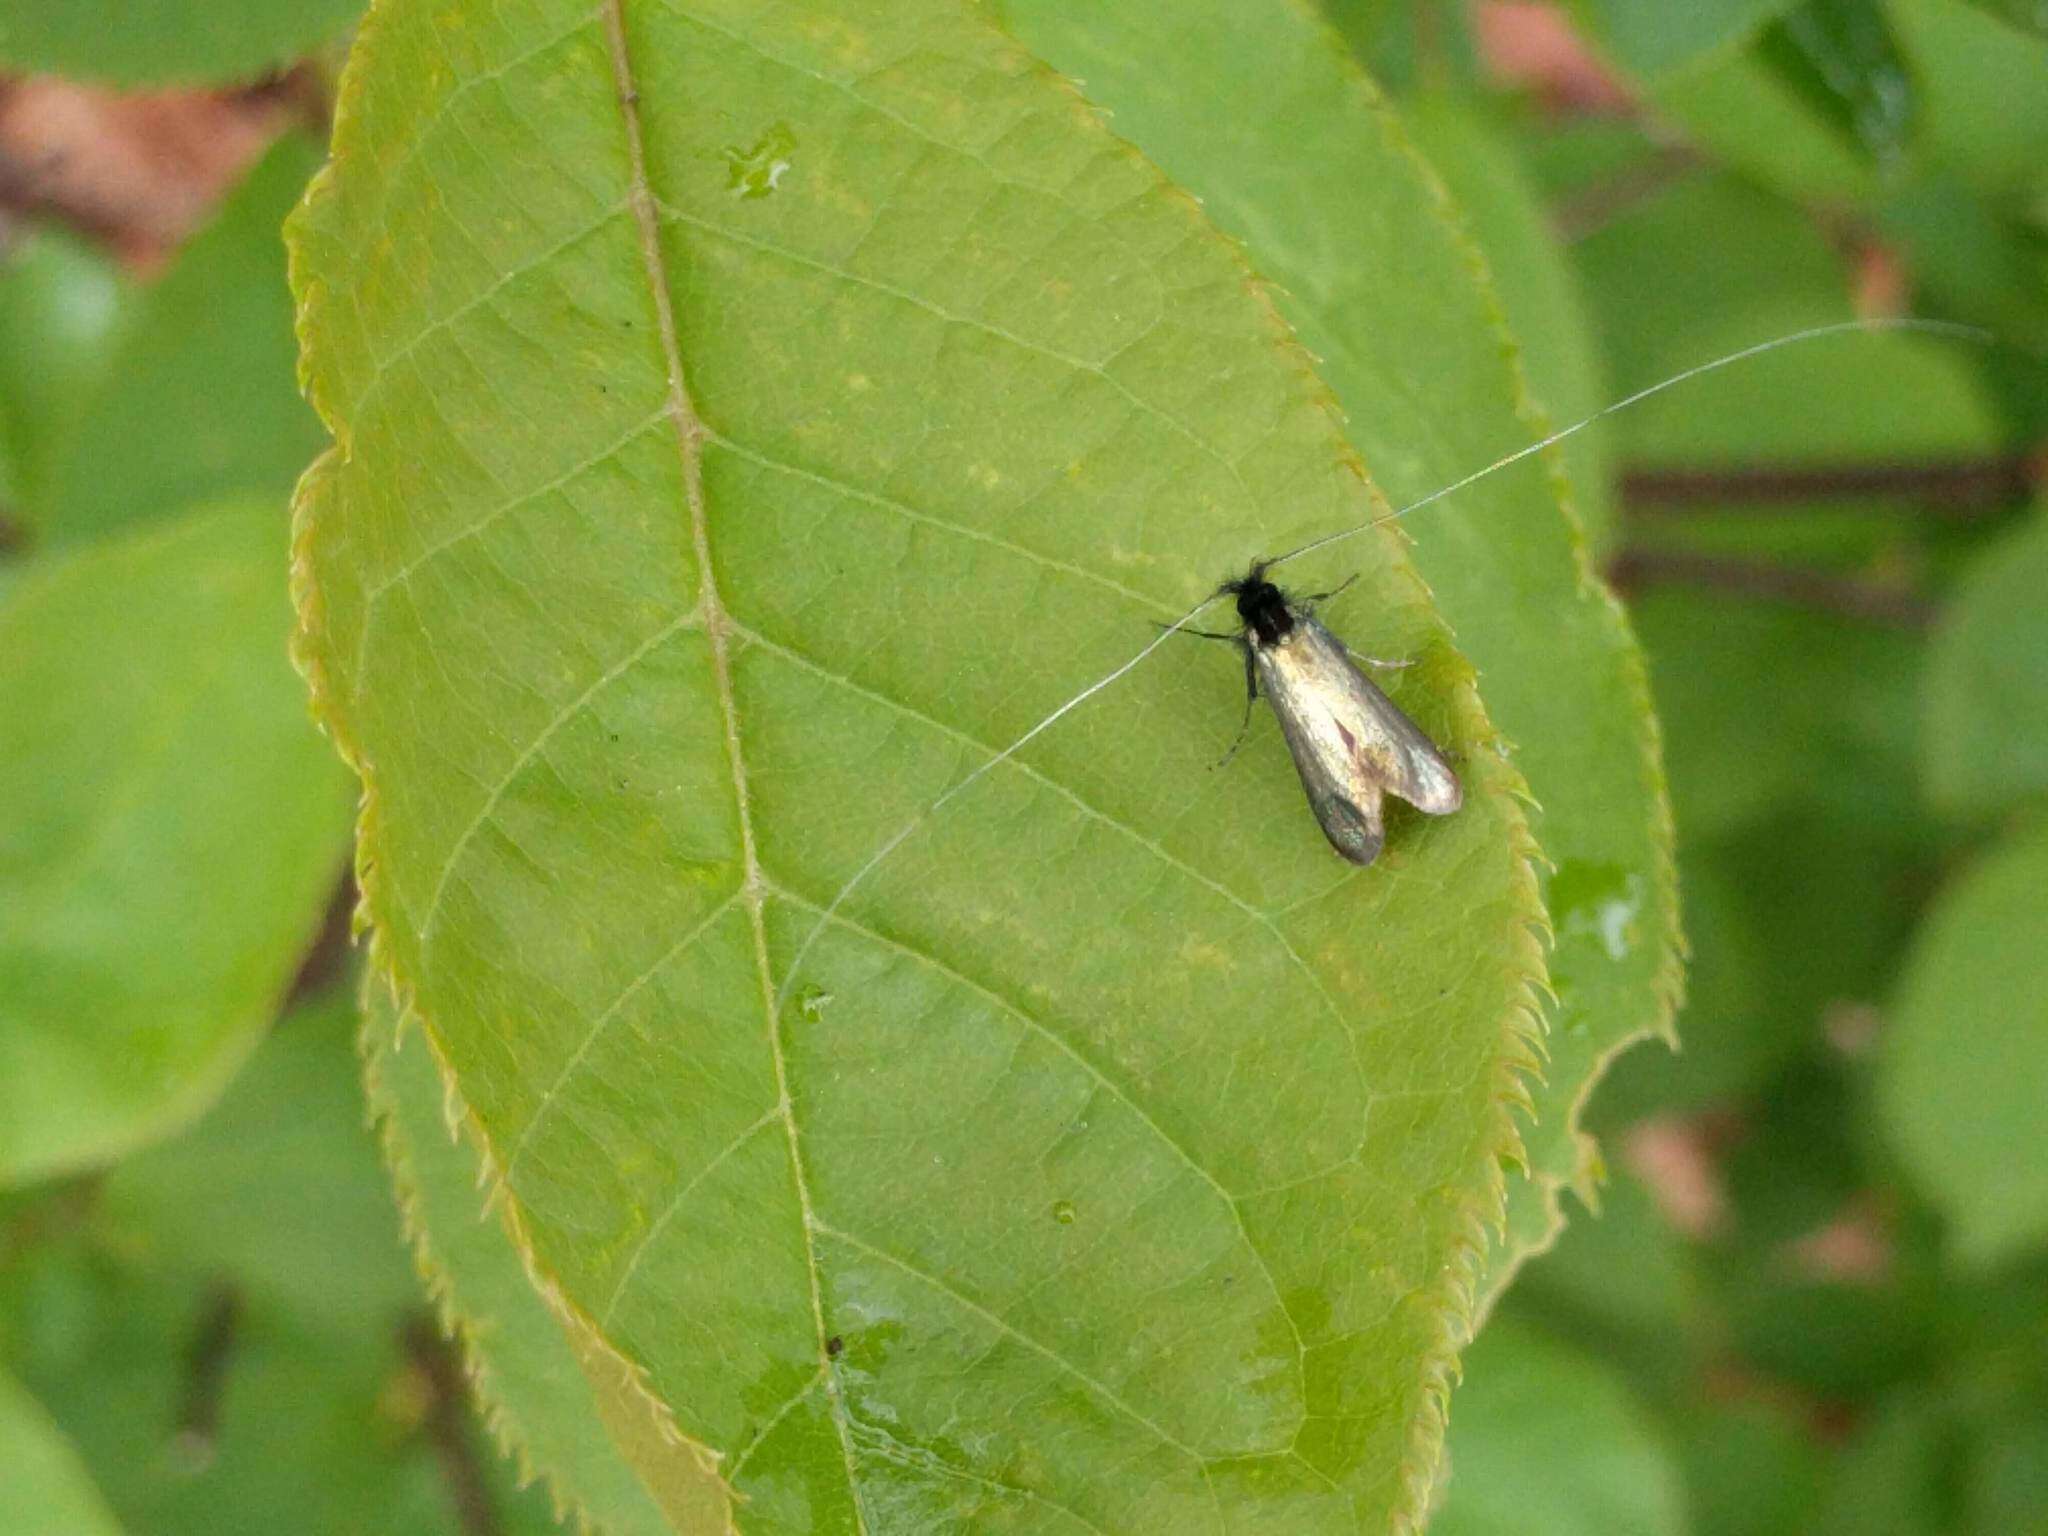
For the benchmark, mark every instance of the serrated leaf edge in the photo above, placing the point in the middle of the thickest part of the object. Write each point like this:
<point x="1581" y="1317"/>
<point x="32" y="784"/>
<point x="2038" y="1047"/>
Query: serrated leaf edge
<point x="375" y="1046"/>
<point x="1667" y="985"/>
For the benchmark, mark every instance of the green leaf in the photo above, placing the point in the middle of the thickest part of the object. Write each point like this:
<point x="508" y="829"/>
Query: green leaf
<point x="157" y="746"/>
<point x="49" y="1491"/>
<point x="1800" y="911"/>
<point x="1984" y="91"/>
<point x="1985" y="685"/>
<point x="1477" y="156"/>
<point x="1728" y="669"/>
<point x="1652" y="39"/>
<point x="166" y="42"/>
<point x="1406" y="47"/>
<point x="826" y="399"/>
<point x="221" y="1328"/>
<point x="1751" y="1469"/>
<point x="1701" y="253"/>
<point x="1736" y="1033"/>
<point x="1965" y="1064"/>
<point x="527" y="1374"/>
<point x="61" y="301"/>
<point x="1380" y="280"/>
<point x="1743" y="110"/>
<point x="198" y="401"/>
<point x="1975" y="258"/>
<point x="1621" y="1280"/>
<point x="1894" y="1476"/>
<point x="2031" y="15"/>
<point x="1547" y="1439"/>
<point x="1840" y="57"/>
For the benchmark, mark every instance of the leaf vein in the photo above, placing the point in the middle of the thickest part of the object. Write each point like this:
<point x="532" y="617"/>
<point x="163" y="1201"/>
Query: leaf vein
<point x="668" y="1213"/>
<point x="689" y="432"/>
<point x="1105" y="818"/>
<point x="504" y="781"/>
<point x="1108" y="1085"/>
<point x="1011" y="1331"/>
<point x="912" y="514"/>
<point x="474" y="302"/>
<point x="505" y="508"/>
<point x="604" y="1017"/>
<point x="988" y="328"/>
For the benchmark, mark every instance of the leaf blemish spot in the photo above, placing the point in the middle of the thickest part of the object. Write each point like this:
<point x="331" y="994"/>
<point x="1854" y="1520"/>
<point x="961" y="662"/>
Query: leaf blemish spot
<point x="758" y="171"/>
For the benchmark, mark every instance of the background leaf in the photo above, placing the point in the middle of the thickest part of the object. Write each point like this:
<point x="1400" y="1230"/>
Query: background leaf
<point x="1966" y="1121"/>
<point x="1546" y="310"/>
<point x="197" y="401"/>
<point x="1380" y="280"/>
<point x="161" y="42"/>
<point x="1985" y="688"/>
<point x="175" y="830"/>
<point x="60" y="303"/>
<point x="1841" y="58"/>
<point x="1547" y="1439"/>
<point x="2020" y="13"/>
<point x="974" y="397"/>
<point x="225" y="1325"/>
<point x="49" y="1492"/>
<point x="1651" y="39"/>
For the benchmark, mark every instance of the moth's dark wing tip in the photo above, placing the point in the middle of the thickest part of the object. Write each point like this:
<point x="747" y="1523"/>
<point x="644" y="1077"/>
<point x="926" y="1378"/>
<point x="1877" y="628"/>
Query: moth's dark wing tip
<point x="1354" y="832"/>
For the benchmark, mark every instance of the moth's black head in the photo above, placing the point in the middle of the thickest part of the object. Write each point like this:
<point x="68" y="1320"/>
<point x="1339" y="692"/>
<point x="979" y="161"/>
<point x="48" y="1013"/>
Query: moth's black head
<point x="1261" y="607"/>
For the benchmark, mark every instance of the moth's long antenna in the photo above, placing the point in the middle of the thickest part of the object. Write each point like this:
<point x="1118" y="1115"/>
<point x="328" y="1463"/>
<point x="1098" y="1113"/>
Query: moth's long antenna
<point x="1868" y="327"/>
<point x="1871" y="326"/>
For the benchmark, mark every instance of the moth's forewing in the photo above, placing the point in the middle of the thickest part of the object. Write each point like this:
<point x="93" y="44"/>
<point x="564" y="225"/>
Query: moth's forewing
<point x="1350" y="742"/>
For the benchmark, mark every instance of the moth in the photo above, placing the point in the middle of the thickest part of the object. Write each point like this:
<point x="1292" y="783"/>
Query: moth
<point x="1351" y="744"/>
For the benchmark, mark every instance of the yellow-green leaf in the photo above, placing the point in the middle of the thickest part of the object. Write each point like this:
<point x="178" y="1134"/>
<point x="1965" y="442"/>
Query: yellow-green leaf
<point x="747" y="423"/>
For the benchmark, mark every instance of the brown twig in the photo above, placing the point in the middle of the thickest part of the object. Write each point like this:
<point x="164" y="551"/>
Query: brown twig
<point x="1955" y="488"/>
<point x="1801" y="586"/>
<point x="448" y="1426"/>
<point x="1593" y="207"/>
<point x="206" y="1372"/>
<point x="327" y="955"/>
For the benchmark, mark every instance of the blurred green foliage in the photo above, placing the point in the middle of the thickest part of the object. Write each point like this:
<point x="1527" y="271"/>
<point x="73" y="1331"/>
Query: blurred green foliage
<point x="1815" y="1297"/>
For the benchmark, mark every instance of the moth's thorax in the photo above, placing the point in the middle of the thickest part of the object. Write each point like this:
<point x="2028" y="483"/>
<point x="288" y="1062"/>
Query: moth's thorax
<point x="1262" y="608"/>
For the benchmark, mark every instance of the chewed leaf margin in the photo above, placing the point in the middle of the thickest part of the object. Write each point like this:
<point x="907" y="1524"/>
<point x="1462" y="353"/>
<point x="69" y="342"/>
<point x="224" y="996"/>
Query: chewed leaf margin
<point x="1667" y="986"/>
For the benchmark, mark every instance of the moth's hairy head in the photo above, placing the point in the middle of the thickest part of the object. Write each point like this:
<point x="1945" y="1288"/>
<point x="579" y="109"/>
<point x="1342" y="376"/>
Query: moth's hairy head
<point x="1262" y="608"/>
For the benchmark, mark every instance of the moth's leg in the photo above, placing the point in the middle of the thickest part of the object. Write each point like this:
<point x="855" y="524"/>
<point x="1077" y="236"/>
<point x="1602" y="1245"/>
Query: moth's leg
<point x="1379" y="661"/>
<point x="1336" y="591"/>
<point x="1251" y="696"/>
<point x="1200" y="634"/>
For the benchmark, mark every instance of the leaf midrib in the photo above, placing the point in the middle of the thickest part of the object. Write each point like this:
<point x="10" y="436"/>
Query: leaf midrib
<point x="689" y="446"/>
